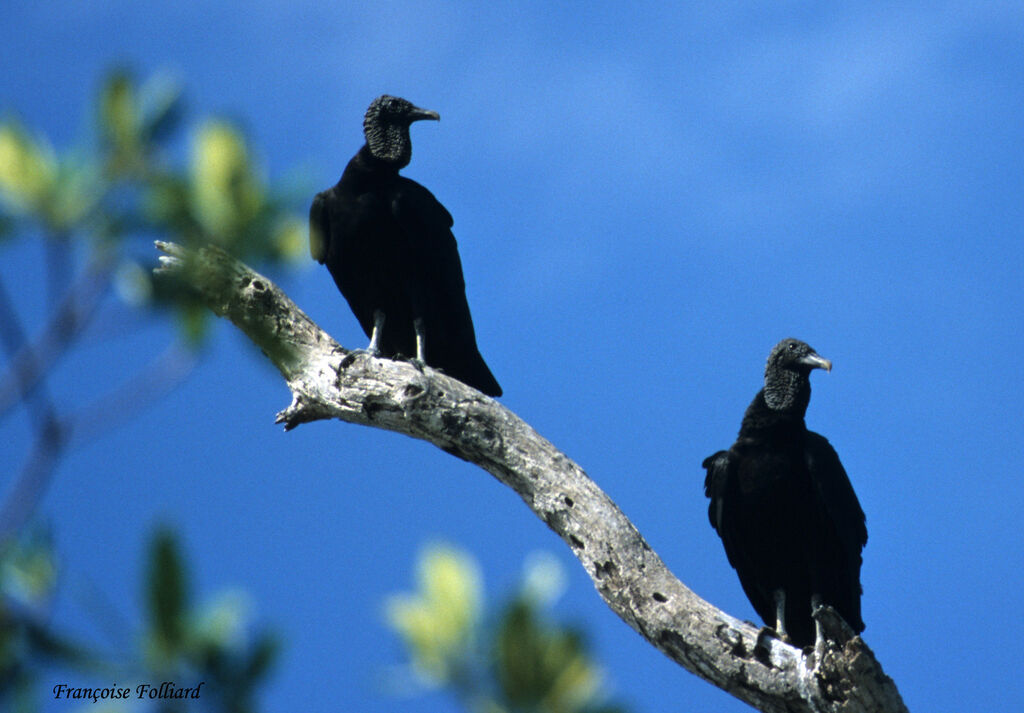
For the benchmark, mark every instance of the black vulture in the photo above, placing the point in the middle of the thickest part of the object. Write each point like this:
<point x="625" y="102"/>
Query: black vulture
<point x="389" y="247"/>
<point x="784" y="507"/>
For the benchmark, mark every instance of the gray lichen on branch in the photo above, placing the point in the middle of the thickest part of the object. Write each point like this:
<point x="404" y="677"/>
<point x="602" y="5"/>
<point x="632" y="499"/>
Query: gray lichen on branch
<point x="329" y="381"/>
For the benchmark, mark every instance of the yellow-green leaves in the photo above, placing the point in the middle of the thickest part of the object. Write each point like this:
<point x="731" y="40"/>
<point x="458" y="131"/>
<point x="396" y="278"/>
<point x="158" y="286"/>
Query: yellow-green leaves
<point x="120" y="122"/>
<point x="131" y="180"/>
<point x="290" y="239"/>
<point x="516" y="661"/>
<point x="28" y="572"/>
<point x="225" y="200"/>
<point x="226" y="194"/>
<point x="437" y="621"/>
<point x="133" y="118"/>
<point x="28" y="169"/>
<point x="225" y="622"/>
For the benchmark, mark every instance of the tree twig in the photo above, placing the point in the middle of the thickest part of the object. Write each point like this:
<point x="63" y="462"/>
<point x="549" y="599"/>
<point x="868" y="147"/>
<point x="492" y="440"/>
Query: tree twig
<point x="329" y="381"/>
<point x="139" y="391"/>
<point x="58" y="250"/>
<point x="30" y="364"/>
<point x="20" y="501"/>
<point x="33" y="479"/>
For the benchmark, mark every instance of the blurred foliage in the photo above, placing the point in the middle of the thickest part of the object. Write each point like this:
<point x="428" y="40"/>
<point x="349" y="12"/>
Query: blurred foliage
<point x="27" y="580"/>
<point x="216" y="644"/>
<point x="118" y="191"/>
<point x="439" y="620"/>
<point x="515" y="660"/>
<point x="28" y="171"/>
<point x="145" y="171"/>
<point x="142" y="174"/>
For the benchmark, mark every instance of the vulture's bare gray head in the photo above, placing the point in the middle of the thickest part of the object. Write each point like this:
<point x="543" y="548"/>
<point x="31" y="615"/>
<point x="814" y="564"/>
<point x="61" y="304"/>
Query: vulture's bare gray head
<point x="386" y="126"/>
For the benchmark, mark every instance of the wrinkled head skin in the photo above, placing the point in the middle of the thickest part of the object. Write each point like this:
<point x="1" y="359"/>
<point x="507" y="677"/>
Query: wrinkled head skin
<point x="386" y="127"/>
<point x="794" y="355"/>
<point x="786" y="384"/>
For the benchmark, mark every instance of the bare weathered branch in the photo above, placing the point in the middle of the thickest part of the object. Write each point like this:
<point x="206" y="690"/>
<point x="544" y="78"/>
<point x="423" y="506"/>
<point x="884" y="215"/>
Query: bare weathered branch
<point x="329" y="381"/>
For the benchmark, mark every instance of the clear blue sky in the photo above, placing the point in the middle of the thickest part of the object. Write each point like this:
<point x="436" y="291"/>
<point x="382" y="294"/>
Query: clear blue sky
<point x="646" y="197"/>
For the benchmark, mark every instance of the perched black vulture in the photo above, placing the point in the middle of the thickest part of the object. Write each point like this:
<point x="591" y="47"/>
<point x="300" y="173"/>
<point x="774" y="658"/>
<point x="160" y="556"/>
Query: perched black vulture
<point x="784" y="507"/>
<point x="389" y="247"/>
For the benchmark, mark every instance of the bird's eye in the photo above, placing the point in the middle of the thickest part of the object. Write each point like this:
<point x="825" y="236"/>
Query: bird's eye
<point x="792" y="346"/>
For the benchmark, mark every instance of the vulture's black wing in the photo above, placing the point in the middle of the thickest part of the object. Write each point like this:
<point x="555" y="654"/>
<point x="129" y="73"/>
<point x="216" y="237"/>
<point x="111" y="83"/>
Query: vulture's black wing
<point x="843" y="525"/>
<point x="342" y="235"/>
<point x="438" y="288"/>
<point x="718" y="467"/>
<point x="319" y="228"/>
<point x="836" y="493"/>
<point x="740" y="525"/>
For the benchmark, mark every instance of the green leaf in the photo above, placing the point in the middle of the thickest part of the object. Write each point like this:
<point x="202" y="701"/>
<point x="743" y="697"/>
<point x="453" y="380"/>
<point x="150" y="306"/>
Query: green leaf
<point x="226" y="193"/>
<point x="542" y="666"/>
<point x="28" y="571"/>
<point x="263" y="657"/>
<point x="59" y="649"/>
<point x="290" y="239"/>
<point x="166" y="207"/>
<point x="438" y="622"/>
<point x="167" y="593"/>
<point x="517" y="656"/>
<point x="77" y="190"/>
<point x="224" y="622"/>
<point x="193" y="319"/>
<point x="119" y="114"/>
<point x="28" y="170"/>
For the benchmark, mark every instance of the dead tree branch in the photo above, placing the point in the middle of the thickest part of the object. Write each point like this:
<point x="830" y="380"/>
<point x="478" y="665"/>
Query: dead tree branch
<point x="329" y="381"/>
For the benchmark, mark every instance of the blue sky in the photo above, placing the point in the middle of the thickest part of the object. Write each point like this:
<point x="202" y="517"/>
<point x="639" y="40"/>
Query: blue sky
<point x="646" y="198"/>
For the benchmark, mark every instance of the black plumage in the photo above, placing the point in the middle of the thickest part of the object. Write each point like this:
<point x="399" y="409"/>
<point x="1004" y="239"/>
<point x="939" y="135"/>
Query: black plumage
<point x="784" y="507"/>
<point x="389" y="247"/>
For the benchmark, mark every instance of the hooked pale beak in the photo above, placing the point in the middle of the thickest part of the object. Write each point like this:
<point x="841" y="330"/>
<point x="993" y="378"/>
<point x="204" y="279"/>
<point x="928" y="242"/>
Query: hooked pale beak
<point x="417" y="114"/>
<point x="816" y="361"/>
